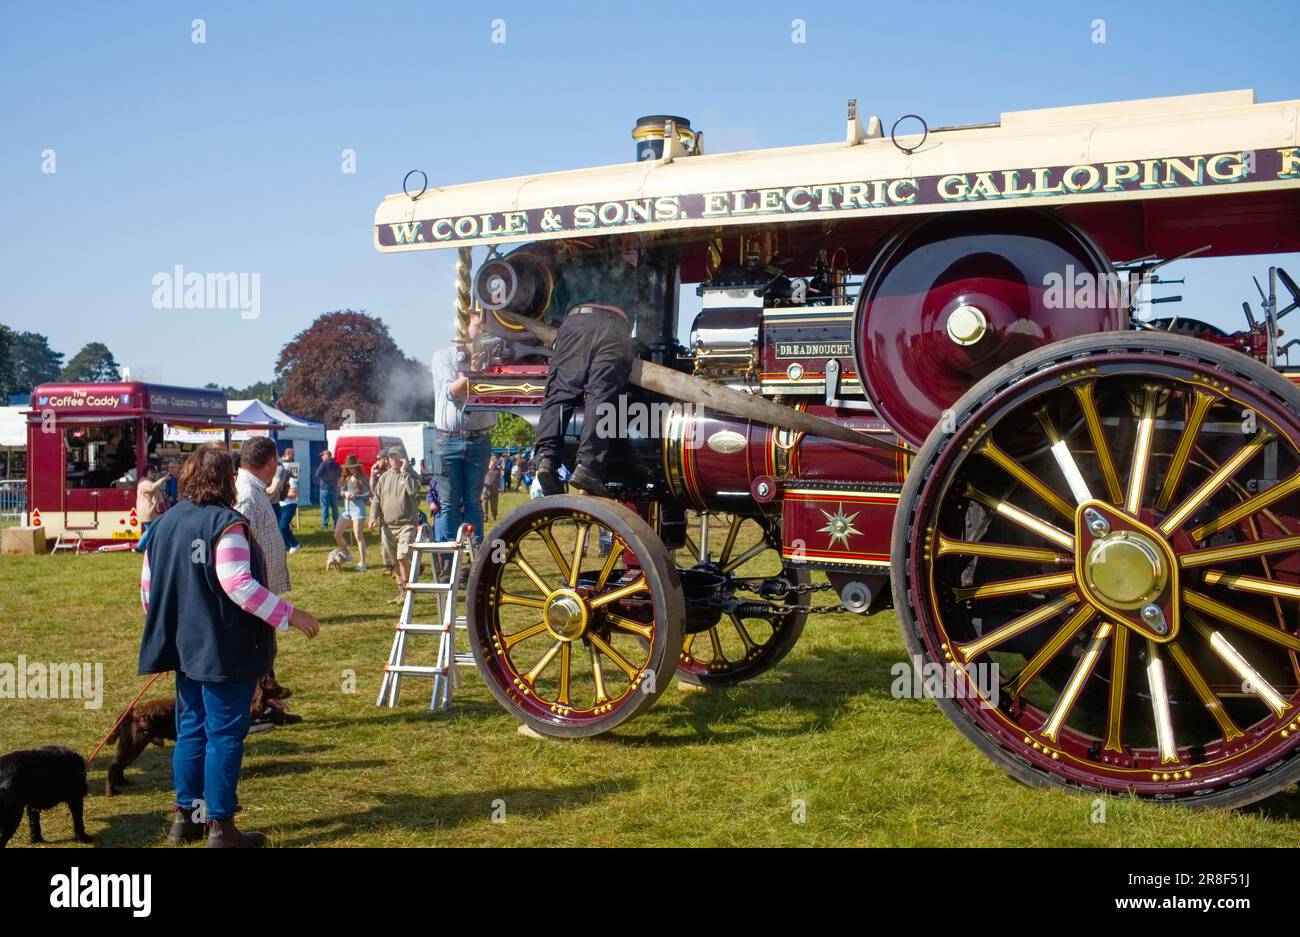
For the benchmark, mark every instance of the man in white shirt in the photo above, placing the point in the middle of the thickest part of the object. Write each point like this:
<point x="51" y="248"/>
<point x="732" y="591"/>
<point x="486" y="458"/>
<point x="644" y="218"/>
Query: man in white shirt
<point x="257" y="465"/>
<point x="463" y="444"/>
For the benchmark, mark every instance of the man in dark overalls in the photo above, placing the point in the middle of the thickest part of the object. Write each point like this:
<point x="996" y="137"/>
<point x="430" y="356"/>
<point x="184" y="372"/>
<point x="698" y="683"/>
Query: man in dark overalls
<point x="594" y="351"/>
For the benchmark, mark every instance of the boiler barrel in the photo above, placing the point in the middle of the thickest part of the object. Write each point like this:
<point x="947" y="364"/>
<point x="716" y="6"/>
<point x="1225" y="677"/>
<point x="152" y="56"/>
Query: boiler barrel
<point x="713" y="461"/>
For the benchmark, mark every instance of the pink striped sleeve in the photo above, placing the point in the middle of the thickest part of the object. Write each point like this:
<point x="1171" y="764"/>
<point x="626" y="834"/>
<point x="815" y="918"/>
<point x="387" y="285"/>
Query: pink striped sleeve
<point x="235" y="574"/>
<point x="144" y="585"/>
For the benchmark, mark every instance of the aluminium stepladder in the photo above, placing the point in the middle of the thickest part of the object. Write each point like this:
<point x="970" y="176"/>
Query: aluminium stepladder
<point x="445" y="672"/>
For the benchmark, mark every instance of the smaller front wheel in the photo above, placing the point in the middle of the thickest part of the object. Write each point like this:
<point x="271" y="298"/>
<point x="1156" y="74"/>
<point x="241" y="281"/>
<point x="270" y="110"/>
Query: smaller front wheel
<point x="570" y="638"/>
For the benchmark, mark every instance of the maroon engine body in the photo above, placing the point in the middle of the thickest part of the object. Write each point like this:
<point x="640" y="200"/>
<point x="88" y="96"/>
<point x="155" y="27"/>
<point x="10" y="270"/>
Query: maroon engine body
<point x="805" y="344"/>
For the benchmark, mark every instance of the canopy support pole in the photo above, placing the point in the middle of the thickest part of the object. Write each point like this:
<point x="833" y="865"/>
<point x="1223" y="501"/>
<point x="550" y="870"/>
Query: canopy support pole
<point x="464" y="266"/>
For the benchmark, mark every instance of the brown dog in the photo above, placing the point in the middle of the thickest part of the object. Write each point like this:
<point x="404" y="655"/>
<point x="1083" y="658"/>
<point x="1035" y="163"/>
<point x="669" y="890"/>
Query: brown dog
<point x="154" y="721"/>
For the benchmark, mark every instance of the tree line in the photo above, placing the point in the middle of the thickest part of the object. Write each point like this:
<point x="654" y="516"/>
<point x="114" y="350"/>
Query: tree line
<point x="26" y="359"/>
<point x="345" y="365"/>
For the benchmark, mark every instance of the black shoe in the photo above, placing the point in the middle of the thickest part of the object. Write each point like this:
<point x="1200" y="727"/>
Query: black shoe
<point x="184" y="830"/>
<point x="588" y="483"/>
<point x="547" y="477"/>
<point x="223" y="834"/>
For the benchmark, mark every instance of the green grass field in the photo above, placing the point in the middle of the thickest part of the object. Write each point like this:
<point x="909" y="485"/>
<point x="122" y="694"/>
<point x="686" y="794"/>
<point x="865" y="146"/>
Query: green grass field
<point x="715" y="768"/>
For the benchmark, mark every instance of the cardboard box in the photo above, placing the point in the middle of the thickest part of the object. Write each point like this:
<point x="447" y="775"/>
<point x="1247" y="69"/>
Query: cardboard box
<point x="23" y="541"/>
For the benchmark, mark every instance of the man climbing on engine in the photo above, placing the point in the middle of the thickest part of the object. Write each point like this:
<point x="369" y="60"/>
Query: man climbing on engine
<point x="597" y="294"/>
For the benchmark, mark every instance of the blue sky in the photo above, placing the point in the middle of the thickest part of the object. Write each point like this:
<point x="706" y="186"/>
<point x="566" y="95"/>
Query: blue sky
<point x="226" y="155"/>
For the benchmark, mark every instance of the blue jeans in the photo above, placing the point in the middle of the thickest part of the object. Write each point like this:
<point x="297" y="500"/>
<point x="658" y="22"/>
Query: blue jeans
<point x="329" y="501"/>
<point x="143" y="543"/>
<point x="460" y="462"/>
<point x="287" y="512"/>
<point x="211" y="723"/>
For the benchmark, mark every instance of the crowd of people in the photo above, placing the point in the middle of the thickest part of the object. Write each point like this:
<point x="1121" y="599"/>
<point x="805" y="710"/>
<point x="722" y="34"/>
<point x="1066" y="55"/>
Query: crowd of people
<point x="212" y="615"/>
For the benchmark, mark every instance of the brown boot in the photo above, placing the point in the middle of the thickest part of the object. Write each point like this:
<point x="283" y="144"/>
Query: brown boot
<point x="223" y="835"/>
<point x="184" y="830"/>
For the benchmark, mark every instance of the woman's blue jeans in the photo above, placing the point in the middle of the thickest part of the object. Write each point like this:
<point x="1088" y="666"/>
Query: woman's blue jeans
<point x="211" y="723"/>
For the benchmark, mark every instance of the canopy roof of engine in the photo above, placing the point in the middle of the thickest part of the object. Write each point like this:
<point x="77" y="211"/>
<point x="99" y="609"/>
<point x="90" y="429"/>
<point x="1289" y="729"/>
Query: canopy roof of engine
<point x="1221" y="143"/>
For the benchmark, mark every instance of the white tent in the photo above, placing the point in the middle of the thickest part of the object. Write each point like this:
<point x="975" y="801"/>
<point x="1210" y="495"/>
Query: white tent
<point x="13" y="427"/>
<point x="306" y="438"/>
<point x="13" y="443"/>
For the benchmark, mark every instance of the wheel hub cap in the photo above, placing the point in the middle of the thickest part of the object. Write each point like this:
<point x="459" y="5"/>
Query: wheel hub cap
<point x="566" y="615"/>
<point x="1126" y="569"/>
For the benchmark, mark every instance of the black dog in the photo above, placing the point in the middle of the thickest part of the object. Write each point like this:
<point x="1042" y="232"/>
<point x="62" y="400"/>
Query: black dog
<point x="37" y="780"/>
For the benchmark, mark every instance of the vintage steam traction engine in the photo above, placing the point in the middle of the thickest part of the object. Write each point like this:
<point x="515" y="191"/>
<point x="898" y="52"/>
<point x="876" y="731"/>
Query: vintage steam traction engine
<point x="914" y="362"/>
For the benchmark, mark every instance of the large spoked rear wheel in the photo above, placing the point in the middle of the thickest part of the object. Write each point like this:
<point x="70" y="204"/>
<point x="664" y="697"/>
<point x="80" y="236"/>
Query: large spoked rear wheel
<point x="572" y="639"/>
<point x="1102" y="554"/>
<point x="767" y="617"/>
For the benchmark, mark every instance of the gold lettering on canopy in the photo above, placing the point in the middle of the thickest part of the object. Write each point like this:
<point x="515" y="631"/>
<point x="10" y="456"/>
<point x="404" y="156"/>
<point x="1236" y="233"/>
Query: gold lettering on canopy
<point x="856" y="196"/>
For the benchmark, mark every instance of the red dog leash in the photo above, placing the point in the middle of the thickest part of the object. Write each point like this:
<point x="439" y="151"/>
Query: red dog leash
<point x="120" y="718"/>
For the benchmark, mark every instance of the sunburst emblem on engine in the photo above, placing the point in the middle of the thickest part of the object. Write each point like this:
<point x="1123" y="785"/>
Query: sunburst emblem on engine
<point x="840" y="526"/>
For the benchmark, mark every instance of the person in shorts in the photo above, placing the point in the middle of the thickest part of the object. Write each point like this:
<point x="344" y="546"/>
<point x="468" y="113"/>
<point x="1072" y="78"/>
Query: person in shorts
<point x="395" y="510"/>
<point x="354" y="492"/>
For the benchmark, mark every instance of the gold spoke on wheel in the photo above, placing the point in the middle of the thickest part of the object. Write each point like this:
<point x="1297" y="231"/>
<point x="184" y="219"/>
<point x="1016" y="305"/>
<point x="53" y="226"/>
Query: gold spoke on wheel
<point x="1115" y="703"/>
<point x="1013" y="628"/>
<point x="543" y="663"/>
<point x="1201" y="404"/>
<point x="1074" y="686"/>
<point x="995" y="454"/>
<point x="1022" y="518"/>
<point x="715" y="640"/>
<point x="1160" y="706"/>
<point x="1003" y="551"/>
<point x="1249" y="506"/>
<point x="1014" y="586"/>
<point x="1240" y="666"/>
<point x="1100" y="446"/>
<point x="566" y="655"/>
<point x="615" y="551"/>
<point x="531" y="573"/>
<point x="622" y="592"/>
<point x="622" y="662"/>
<point x="628" y="624"/>
<point x="1203" y="692"/>
<point x="510" y="640"/>
<point x="744" y="634"/>
<point x="1048" y="651"/>
<point x="730" y="543"/>
<point x="1064" y="460"/>
<point x="745" y="557"/>
<point x="1251" y="584"/>
<point x="557" y="554"/>
<point x="597" y="677"/>
<point x="1239" y="551"/>
<point x="1239" y="619"/>
<point x="1211" y="485"/>
<point x="1141" y="450"/>
<point x="579" y="551"/>
<point x="528" y="601"/>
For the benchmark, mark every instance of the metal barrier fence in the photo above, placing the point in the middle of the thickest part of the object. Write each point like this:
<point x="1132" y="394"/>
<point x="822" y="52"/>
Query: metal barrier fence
<point x="13" y="499"/>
